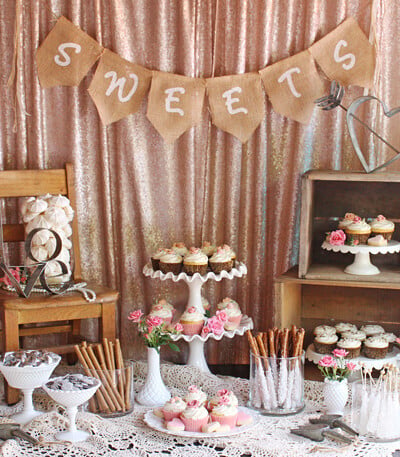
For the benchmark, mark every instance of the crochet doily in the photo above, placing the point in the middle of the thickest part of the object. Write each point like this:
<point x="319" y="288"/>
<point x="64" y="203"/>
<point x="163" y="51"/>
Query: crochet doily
<point x="130" y="436"/>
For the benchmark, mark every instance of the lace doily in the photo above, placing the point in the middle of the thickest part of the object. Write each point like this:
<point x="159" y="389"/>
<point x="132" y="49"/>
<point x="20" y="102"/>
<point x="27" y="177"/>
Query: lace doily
<point x="129" y="436"/>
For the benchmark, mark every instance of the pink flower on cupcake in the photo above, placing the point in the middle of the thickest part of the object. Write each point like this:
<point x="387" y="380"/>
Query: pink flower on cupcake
<point x="193" y="404"/>
<point x="336" y="237"/>
<point x="381" y="218"/>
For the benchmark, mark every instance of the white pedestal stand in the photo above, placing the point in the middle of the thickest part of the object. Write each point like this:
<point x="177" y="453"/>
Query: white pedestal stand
<point x="195" y="283"/>
<point x="362" y="263"/>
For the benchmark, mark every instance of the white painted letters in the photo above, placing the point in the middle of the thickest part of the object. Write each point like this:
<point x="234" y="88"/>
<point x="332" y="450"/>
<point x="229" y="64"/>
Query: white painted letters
<point x="66" y="57"/>
<point x="120" y="83"/>
<point x="288" y="75"/>
<point x="170" y="98"/>
<point x="352" y="57"/>
<point x="230" y="101"/>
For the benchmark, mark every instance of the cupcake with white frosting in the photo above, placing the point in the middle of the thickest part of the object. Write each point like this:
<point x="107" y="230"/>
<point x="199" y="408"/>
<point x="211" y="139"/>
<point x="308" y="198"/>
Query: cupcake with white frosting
<point x="221" y="260"/>
<point x="173" y="408"/>
<point x="231" y="252"/>
<point x="324" y="330"/>
<point x="358" y="231"/>
<point x="345" y="327"/>
<point x="325" y="343"/>
<point x="351" y="345"/>
<point x="194" y="416"/>
<point x="232" y="398"/>
<point x="195" y="261"/>
<point x="171" y="262"/>
<point x="180" y="248"/>
<point x="208" y="249"/>
<point x="346" y="220"/>
<point x="155" y="258"/>
<point x="224" y="412"/>
<point x="192" y="321"/>
<point x="357" y="335"/>
<point x="162" y="312"/>
<point x="372" y="329"/>
<point x="376" y="347"/>
<point x="390" y="338"/>
<point x="195" y="393"/>
<point x="382" y="226"/>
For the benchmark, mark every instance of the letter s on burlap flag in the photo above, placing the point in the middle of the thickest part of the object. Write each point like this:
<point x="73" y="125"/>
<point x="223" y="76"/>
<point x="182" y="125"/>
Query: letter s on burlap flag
<point x="66" y="55"/>
<point x="346" y="55"/>
<point x="118" y="87"/>
<point x="175" y="103"/>
<point x="292" y="86"/>
<point x="236" y="103"/>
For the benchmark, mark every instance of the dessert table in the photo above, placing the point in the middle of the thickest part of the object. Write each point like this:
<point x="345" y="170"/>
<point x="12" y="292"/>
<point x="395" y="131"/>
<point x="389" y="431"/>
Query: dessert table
<point x="130" y="436"/>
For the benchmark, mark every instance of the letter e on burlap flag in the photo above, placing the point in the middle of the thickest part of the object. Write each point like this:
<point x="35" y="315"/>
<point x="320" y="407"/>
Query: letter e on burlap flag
<point x="292" y="86"/>
<point x="346" y="55"/>
<point x="66" y="55"/>
<point x="118" y="87"/>
<point x="236" y="103"/>
<point x="175" y="103"/>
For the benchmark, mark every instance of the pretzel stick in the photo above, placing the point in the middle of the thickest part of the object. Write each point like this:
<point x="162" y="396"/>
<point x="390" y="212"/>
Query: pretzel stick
<point x="271" y="340"/>
<point x="263" y="352"/>
<point x="120" y="368"/>
<point x="265" y="340"/>
<point x="252" y="343"/>
<point x="285" y="342"/>
<point x="102" y="403"/>
<point x="278" y="349"/>
<point x="293" y="334"/>
<point x="107" y="353"/>
<point x="128" y="387"/>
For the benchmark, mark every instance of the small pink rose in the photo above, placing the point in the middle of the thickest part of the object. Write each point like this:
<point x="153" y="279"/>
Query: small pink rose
<point x="147" y="336"/>
<point x="154" y="321"/>
<point x="337" y="238"/>
<point x="222" y="316"/>
<point x="224" y="400"/>
<point x="357" y="219"/>
<point x="340" y="353"/>
<point x="349" y="216"/>
<point x="351" y="366"/>
<point x="193" y="389"/>
<point x="356" y="242"/>
<point x="381" y="218"/>
<point x="135" y="316"/>
<point x="206" y="244"/>
<point x="326" y="361"/>
<point x="398" y="340"/>
<point x="215" y="325"/>
<point x="178" y="327"/>
<point x="205" y="331"/>
<point x="193" y="404"/>
<point x="192" y="309"/>
<point x="222" y="392"/>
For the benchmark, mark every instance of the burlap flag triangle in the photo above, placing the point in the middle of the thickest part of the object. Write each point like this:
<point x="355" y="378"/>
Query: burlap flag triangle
<point x="118" y="87"/>
<point x="66" y="55"/>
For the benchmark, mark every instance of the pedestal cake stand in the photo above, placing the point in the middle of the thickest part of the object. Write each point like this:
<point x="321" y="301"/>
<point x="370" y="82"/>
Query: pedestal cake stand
<point x="362" y="263"/>
<point x="196" y="342"/>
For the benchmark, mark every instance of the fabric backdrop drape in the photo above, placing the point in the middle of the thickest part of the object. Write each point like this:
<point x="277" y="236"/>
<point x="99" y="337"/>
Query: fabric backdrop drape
<point x="135" y="192"/>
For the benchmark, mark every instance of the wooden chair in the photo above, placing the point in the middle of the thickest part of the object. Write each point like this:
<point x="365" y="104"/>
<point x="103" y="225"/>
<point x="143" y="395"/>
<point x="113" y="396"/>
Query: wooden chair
<point x="55" y="313"/>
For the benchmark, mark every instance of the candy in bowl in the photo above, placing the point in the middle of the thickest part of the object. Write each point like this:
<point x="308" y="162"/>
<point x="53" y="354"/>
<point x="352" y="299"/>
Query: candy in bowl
<point x="71" y="391"/>
<point x="27" y="370"/>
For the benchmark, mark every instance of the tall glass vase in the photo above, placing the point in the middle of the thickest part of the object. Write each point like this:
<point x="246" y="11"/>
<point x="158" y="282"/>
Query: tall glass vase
<point x="154" y="391"/>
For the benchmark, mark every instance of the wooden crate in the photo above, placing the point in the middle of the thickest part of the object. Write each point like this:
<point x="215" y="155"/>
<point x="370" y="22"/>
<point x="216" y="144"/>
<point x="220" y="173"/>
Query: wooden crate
<point x="326" y="197"/>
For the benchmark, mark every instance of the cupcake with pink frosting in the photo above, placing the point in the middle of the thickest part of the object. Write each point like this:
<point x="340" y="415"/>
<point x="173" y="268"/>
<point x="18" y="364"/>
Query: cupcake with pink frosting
<point x="194" y="416"/>
<point x="195" y="261"/>
<point x="224" y="412"/>
<point x="192" y="321"/>
<point x="173" y="408"/>
<point x="221" y="260"/>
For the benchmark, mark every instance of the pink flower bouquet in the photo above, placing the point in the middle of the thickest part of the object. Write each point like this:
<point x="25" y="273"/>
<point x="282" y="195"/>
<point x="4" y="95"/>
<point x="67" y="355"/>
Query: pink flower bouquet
<point x="336" y="368"/>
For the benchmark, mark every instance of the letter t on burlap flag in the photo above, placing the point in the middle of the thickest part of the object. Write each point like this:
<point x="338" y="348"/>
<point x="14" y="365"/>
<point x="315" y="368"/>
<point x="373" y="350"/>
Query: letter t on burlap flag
<point x="66" y="55"/>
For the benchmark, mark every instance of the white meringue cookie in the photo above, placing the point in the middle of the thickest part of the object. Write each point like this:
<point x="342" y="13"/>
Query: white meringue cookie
<point x="66" y="243"/>
<point x="40" y="253"/>
<point x="28" y="216"/>
<point x="56" y="216"/>
<point x="64" y="256"/>
<point x="38" y="206"/>
<point x="58" y="200"/>
<point x="38" y="222"/>
<point x="45" y="196"/>
<point x="24" y="204"/>
<point x="67" y="230"/>
<point x="51" y="245"/>
<point x="69" y="212"/>
<point x="41" y="238"/>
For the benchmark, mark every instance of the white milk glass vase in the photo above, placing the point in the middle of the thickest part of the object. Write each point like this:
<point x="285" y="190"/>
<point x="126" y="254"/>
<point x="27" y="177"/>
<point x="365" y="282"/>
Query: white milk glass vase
<point x="154" y="392"/>
<point x="336" y="394"/>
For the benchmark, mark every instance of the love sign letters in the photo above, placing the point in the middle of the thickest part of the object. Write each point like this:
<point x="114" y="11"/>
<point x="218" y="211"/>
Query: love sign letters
<point x="175" y="102"/>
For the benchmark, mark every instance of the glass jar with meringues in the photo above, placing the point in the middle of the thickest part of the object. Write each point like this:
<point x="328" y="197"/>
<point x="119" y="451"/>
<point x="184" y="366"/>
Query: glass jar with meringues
<point x="276" y="385"/>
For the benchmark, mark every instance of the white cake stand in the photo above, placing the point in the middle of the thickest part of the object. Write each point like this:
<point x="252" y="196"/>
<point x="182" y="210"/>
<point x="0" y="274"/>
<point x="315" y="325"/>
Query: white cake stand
<point x="195" y="283"/>
<point x="362" y="263"/>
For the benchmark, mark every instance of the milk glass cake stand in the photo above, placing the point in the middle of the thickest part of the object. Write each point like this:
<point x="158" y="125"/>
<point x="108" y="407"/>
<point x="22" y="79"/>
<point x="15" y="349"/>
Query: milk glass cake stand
<point x="362" y="263"/>
<point x="196" y="342"/>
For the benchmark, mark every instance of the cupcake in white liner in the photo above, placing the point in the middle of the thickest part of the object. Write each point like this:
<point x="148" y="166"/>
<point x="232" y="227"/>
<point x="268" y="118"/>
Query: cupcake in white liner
<point x="325" y="343"/>
<point x="221" y="260"/>
<point x="195" y="261"/>
<point x="164" y="313"/>
<point x="192" y="321"/>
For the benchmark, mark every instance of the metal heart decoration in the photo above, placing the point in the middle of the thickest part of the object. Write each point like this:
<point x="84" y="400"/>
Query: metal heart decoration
<point x="350" y="124"/>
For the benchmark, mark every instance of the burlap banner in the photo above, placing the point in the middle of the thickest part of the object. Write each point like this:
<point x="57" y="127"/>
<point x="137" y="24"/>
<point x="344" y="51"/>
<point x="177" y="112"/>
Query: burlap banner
<point x="66" y="55"/>
<point x="236" y="103"/>
<point x="346" y="55"/>
<point x="292" y="85"/>
<point x="175" y="103"/>
<point x="118" y="87"/>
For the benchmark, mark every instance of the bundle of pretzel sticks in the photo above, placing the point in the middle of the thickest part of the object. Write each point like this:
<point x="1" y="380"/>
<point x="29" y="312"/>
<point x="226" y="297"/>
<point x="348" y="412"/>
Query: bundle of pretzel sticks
<point x="104" y="361"/>
<point x="276" y="380"/>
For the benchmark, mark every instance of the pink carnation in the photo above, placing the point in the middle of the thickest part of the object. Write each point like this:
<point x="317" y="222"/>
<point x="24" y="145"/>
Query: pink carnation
<point x="135" y="316"/>
<point x="351" y="366"/>
<point x="327" y="361"/>
<point x="337" y="238"/>
<point x="340" y="352"/>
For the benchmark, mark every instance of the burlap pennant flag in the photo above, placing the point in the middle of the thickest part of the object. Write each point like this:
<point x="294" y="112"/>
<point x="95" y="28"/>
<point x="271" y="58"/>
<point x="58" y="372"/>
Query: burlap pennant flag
<point x="118" y="87"/>
<point x="66" y="55"/>
<point x="236" y="103"/>
<point x="346" y="55"/>
<point x="175" y="103"/>
<point x="292" y="86"/>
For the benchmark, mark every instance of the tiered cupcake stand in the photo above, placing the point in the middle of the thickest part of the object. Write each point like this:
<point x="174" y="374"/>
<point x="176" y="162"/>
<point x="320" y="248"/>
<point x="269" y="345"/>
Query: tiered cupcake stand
<point x="362" y="263"/>
<point x="195" y="283"/>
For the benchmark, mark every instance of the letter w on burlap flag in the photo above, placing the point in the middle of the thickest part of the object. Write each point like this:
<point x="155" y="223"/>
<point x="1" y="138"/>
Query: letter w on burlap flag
<point x="66" y="55"/>
<point x="175" y="103"/>
<point x="292" y="86"/>
<point x="236" y="103"/>
<point x="346" y="55"/>
<point x="118" y="87"/>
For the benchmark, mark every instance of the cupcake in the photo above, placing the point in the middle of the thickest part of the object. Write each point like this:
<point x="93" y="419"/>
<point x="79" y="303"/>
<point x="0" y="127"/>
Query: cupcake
<point x="351" y="345"/>
<point x="155" y="258"/>
<point x="224" y="412"/>
<point x="357" y="335"/>
<point x="165" y="304"/>
<point x="345" y="327"/>
<point x="346" y="221"/>
<point x="221" y="260"/>
<point x="164" y="313"/>
<point x="390" y="338"/>
<point x="171" y="262"/>
<point x="233" y="314"/>
<point x="231" y="253"/>
<point x="377" y="240"/>
<point x="227" y="301"/>
<point x="208" y="249"/>
<point x="192" y="321"/>
<point x="372" y="330"/>
<point x="325" y="343"/>
<point x="194" y="416"/>
<point x="195" y="261"/>
<point x="194" y="393"/>
<point x="173" y="408"/>
<point x="180" y="249"/>
<point x="324" y="330"/>
<point x="376" y="347"/>
<point x="381" y="226"/>
<point x="358" y="230"/>
<point x="223" y="393"/>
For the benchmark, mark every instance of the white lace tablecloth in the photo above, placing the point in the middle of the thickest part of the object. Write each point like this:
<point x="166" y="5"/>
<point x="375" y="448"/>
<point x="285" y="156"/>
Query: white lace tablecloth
<point x="130" y="436"/>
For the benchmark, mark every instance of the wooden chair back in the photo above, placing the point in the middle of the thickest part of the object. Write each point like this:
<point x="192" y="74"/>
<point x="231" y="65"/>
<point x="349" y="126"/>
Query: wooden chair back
<point x="32" y="183"/>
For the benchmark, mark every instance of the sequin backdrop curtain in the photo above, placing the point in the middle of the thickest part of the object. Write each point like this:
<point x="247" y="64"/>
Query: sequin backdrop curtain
<point x="135" y="192"/>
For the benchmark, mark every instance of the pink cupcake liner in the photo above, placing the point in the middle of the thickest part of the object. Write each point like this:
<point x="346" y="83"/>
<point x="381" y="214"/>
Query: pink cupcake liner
<point x="193" y="425"/>
<point x="233" y="322"/>
<point x="224" y="420"/>
<point x="169" y="415"/>
<point x="193" y="328"/>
